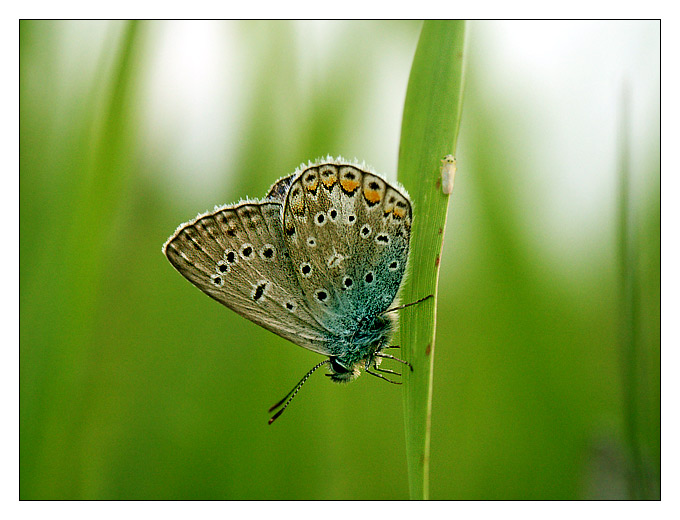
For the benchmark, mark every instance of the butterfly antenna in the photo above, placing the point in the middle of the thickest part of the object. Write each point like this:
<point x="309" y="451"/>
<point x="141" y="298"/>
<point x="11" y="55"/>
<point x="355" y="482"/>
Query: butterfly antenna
<point x="289" y="396"/>
<point x="399" y="307"/>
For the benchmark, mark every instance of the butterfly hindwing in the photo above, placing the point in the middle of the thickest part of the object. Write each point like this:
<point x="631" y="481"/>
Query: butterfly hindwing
<point x="237" y="256"/>
<point x="347" y="231"/>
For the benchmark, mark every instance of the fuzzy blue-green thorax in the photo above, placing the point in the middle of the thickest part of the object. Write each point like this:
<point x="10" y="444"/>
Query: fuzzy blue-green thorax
<point x="371" y="336"/>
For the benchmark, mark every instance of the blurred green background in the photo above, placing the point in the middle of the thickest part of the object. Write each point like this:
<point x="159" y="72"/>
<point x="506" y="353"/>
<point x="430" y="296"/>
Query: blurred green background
<point x="135" y="385"/>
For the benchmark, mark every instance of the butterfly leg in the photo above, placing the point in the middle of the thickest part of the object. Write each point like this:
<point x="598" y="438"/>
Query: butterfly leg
<point x="387" y="371"/>
<point x="389" y="356"/>
<point x="383" y="377"/>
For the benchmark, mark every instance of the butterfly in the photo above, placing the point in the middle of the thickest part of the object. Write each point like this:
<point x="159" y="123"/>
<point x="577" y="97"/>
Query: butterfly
<point x="318" y="261"/>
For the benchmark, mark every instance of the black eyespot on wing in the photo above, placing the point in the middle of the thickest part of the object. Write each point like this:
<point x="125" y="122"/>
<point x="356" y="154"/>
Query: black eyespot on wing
<point x="267" y="252"/>
<point x="321" y="295"/>
<point x="259" y="291"/>
<point x="369" y="277"/>
<point x="306" y="269"/>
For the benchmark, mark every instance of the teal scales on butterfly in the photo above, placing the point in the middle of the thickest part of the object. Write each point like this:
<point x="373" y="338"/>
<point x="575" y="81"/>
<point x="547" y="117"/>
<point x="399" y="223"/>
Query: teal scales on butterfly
<point x="319" y="261"/>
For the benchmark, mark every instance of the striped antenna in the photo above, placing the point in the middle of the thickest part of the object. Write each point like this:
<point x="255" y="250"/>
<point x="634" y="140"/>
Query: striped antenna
<point x="289" y="396"/>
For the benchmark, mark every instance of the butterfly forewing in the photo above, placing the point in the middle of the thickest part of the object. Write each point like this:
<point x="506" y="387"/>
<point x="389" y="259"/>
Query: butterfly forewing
<point x="348" y="233"/>
<point x="237" y="256"/>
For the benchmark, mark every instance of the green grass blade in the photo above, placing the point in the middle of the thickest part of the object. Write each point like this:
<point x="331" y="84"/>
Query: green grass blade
<point x="93" y="170"/>
<point x="429" y="132"/>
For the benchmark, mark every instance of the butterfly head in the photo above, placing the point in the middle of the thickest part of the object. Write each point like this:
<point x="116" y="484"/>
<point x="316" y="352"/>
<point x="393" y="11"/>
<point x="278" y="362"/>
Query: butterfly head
<point x="372" y="335"/>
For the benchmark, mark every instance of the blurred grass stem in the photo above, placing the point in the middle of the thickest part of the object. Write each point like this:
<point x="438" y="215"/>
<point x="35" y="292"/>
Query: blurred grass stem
<point x="630" y="341"/>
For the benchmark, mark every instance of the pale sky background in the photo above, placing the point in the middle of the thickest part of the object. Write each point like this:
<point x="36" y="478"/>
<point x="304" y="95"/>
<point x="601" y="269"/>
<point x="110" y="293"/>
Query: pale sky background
<point x="565" y="93"/>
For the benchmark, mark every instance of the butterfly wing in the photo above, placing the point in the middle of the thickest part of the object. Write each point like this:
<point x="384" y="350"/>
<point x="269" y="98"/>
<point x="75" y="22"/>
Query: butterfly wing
<point x="348" y="234"/>
<point x="237" y="256"/>
<point x="277" y="193"/>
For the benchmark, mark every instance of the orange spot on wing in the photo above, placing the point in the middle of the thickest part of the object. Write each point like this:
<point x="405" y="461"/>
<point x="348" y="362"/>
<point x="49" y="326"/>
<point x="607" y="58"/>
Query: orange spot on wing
<point x="349" y="185"/>
<point x="372" y="195"/>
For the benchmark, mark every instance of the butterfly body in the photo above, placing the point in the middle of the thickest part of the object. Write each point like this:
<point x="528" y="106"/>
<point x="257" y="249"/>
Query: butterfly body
<point x="318" y="261"/>
<point x="358" y="348"/>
